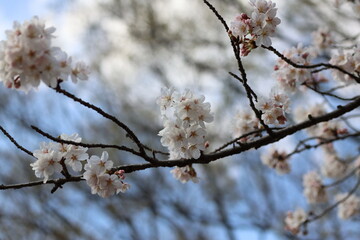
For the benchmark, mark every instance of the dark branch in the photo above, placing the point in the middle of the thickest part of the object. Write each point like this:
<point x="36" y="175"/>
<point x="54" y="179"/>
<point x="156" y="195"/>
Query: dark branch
<point x="332" y="207"/>
<point x="97" y="145"/>
<point x="326" y="65"/>
<point x="212" y="8"/>
<point x="57" y="182"/>
<point x="104" y="114"/>
<point x="15" y="143"/>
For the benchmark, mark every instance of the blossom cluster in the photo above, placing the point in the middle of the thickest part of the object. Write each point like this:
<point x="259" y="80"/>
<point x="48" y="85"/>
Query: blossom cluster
<point x="322" y="39"/>
<point x="54" y="157"/>
<point x="276" y="160"/>
<point x="98" y="177"/>
<point x="356" y="165"/>
<point x="184" y="116"/>
<point x="256" y="29"/>
<point x="274" y="108"/>
<point x="348" y="207"/>
<point x="244" y="123"/>
<point x="332" y="166"/>
<point x="323" y="130"/>
<point x="185" y="174"/>
<point x="314" y="189"/>
<point x="27" y="57"/>
<point x="294" y="220"/>
<point x="290" y="78"/>
<point x="347" y="60"/>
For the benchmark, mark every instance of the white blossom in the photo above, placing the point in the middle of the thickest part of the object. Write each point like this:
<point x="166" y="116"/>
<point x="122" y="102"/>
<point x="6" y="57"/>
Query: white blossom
<point x="314" y="190"/>
<point x="50" y="155"/>
<point x="322" y="38"/>
<point x="293" y="220"/>
<point x="349" y="207"/>
<point x="277" y="160"/>
<point x="73" y="154"/>
<point x="27" y="57"/>
<point x="101" y="180"/>
<point x="80" y="71"/>
<point x="347" y="60"/>
<point x="332" y="166"/>
<point x="244" y="122"/>
<point x="184" y="127"/>
<point x="100" y="164"/>
<point x="166" y="99"/>
<point x="184" y="174"/>
<point x="255" y="29"/>
<point x="274" y="108"/>
<point x="109" y="185"/>
<point x="290" y="78"/>
<point x="46" y="165"/>
<point x="356" y="165"/>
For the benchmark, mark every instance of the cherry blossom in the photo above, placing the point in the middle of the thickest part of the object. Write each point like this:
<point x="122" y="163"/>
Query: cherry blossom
<point x="46" y="165"/>
<point x="290" y="78"/>
<point x="322" y="39"/>
<point x="314" y="190"/>
<point x="349" y="207"/>
<point x="74" y="154"/>
<point x="274" y="108"/>
<point x="332" y="166"/>
<point x="184" y="128"/>
<point x="27" y="57"/>
<point x="245" y="121"/>
<point x="184" y="174"/>
<point x="51" y="154"/>
<point x="294" y="220"/>
<point x="101" y="180"/>
<point x="277" y="160"/>
<point x="256" y="30"/>
<point x="349" y="61"/>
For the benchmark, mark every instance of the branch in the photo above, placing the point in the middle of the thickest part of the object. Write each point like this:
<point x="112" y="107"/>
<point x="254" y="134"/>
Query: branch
<point x="104" y="114"/>
<point x="282" y="133"/>
<point x="342" y="179"/>
<point x="329" y="209"/>
<point x="242" y="136"/>
<point x="326" y="65"/>
<point x="204" y="159"/>
<point x="15" y="143"/>
<point x="212" y="8"/>
<point x="97" y="145"/>
<point x="57" y="182"/>
<point x="323" y="142"/>
<point x="236" y="49"/>
<point x="330" y="94"/>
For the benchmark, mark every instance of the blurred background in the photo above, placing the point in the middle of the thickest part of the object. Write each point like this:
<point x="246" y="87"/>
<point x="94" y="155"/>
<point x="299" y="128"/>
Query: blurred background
<point x="134" y="48"/>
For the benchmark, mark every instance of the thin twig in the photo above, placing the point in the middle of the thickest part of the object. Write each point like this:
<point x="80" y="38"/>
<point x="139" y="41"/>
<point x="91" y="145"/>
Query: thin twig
<point x="92" y="145"/>
<point x="324" y="141"/>
<point x="37" y="183"/>
<point x="15" y="142"/>
<point x="155" y="151"/>
<point x="242" y="136"/>
<point x="212" y="8"/>
<point x="330" y="94"/>
<point x="327" y="65"/>
<point x="329" y="209"/>
<point x="342" y="179"/>
<point x="104" y="114"/>
<point x="249" y="92"/>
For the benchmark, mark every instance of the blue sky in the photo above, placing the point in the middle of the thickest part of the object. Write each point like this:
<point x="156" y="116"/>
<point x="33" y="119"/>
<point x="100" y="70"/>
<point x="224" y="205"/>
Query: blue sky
<point x="19" y="10"/>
